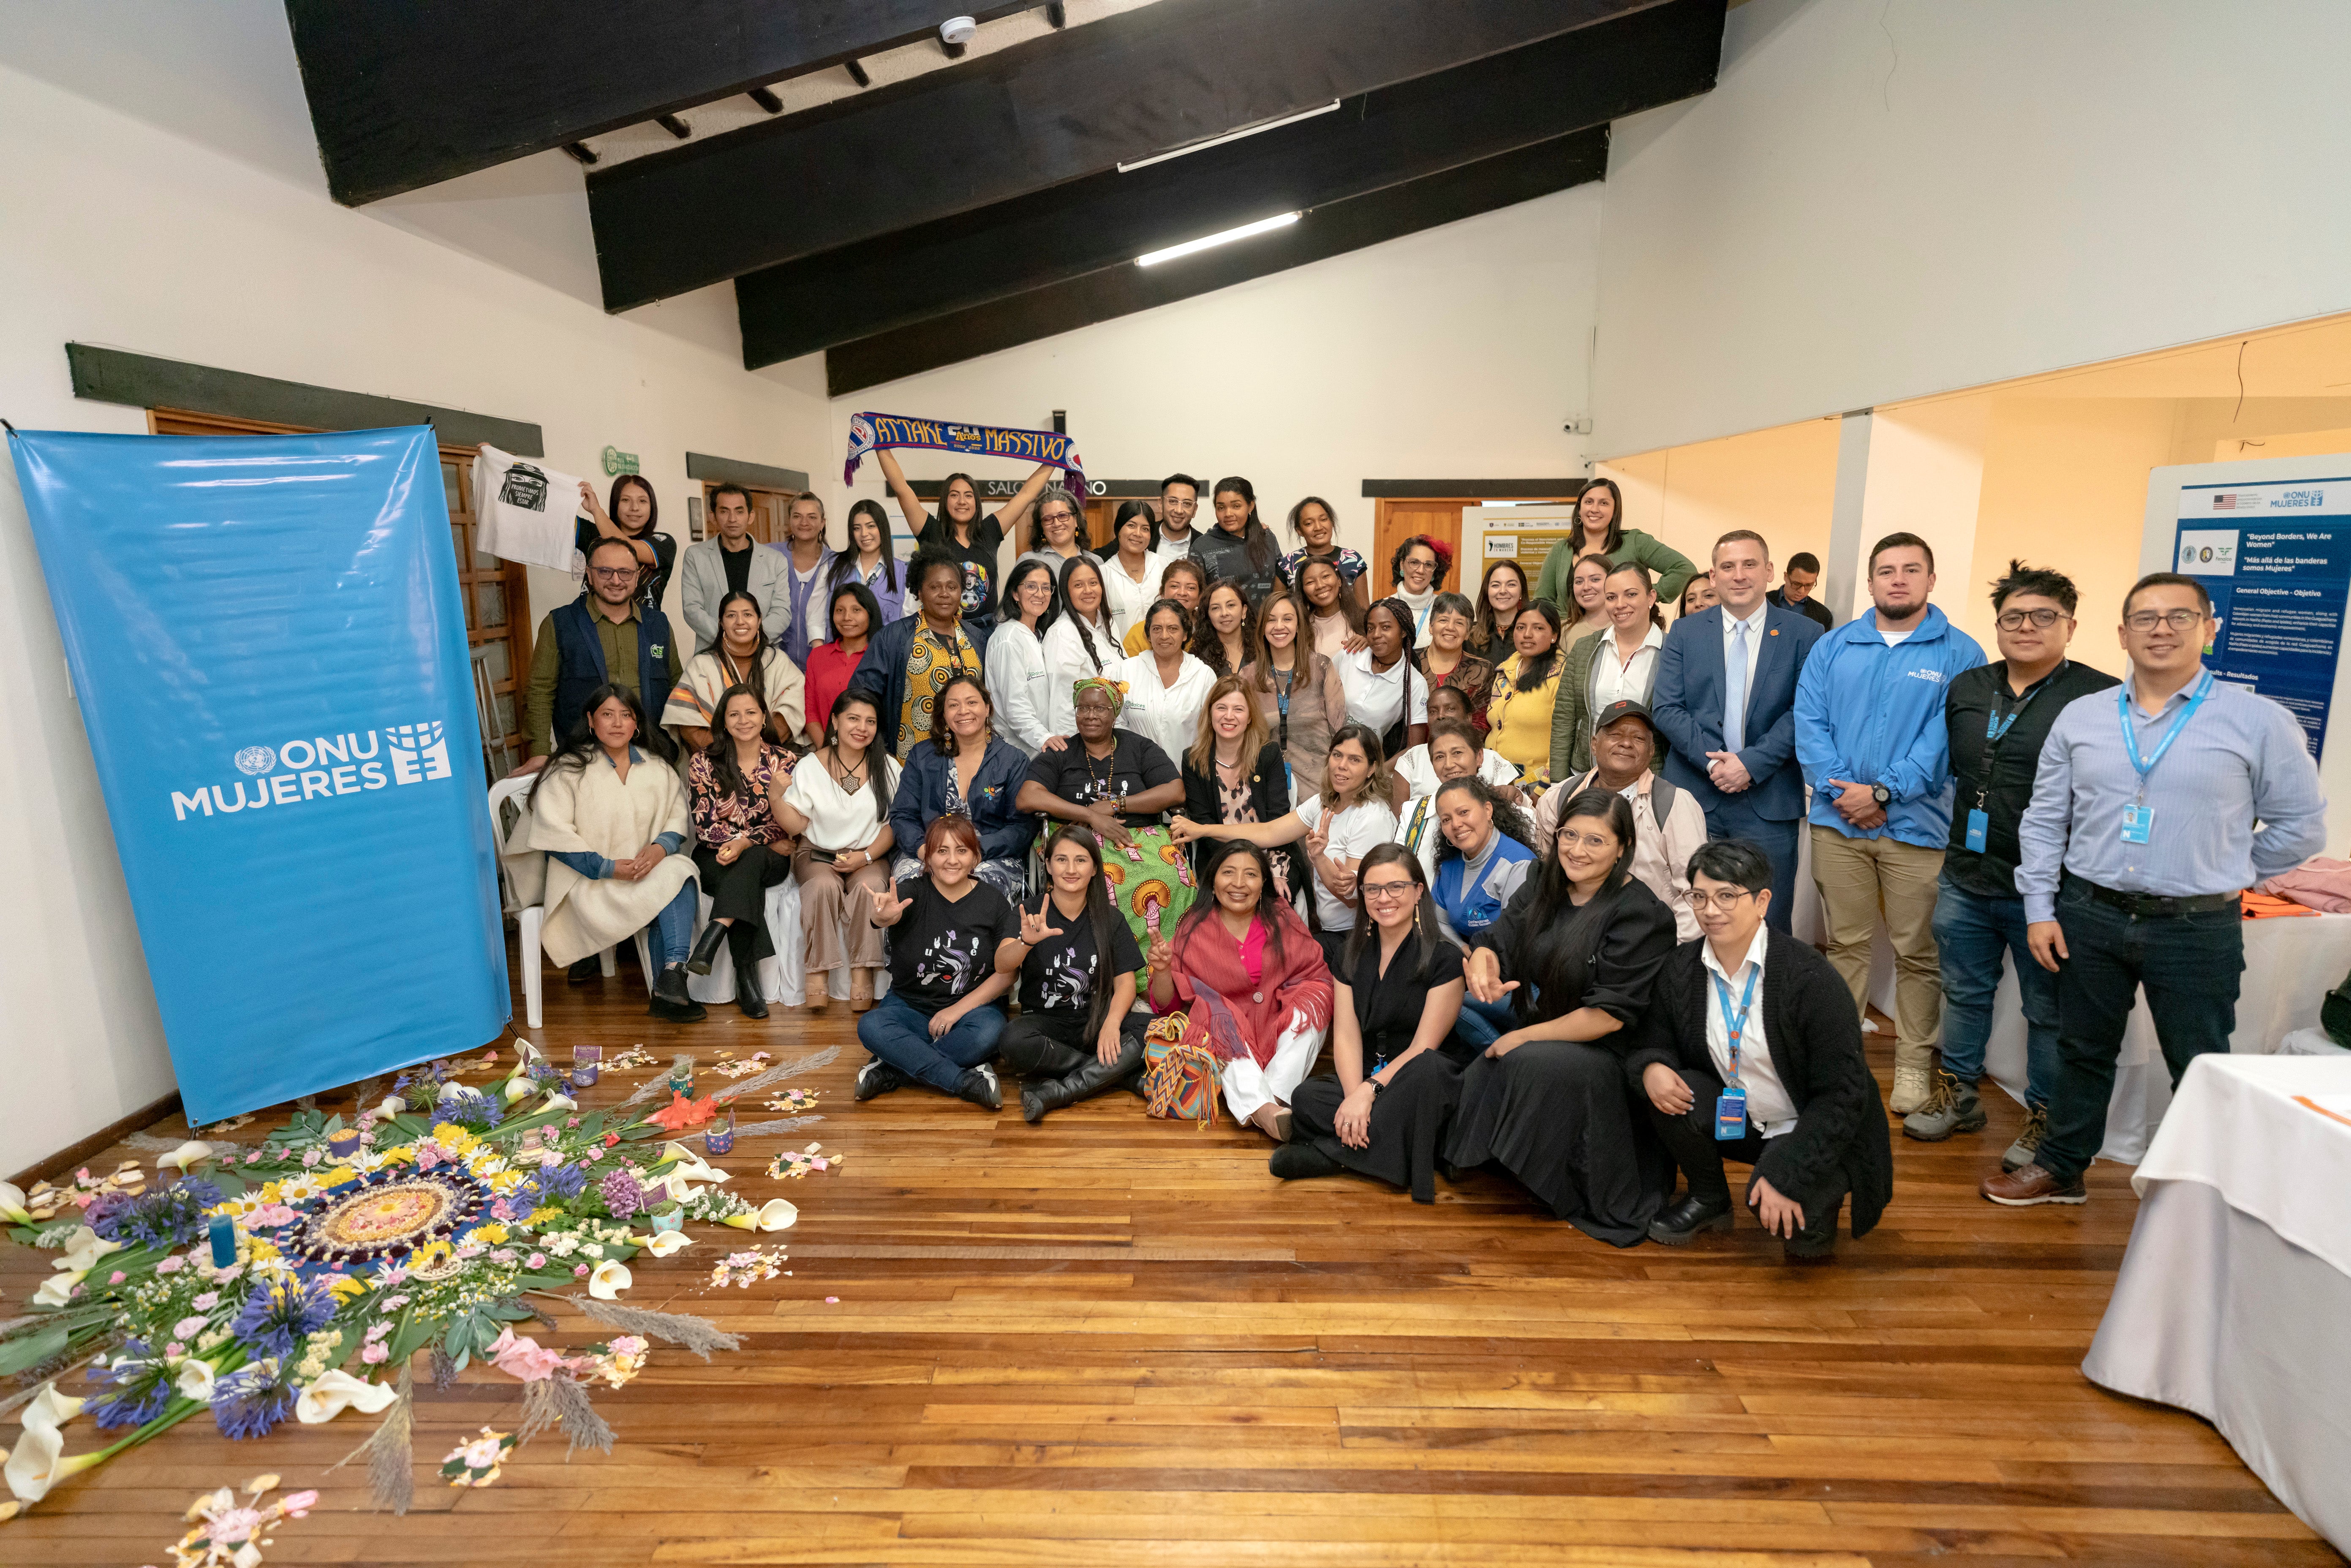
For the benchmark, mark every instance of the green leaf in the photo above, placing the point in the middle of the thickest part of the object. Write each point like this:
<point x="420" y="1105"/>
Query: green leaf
<point x="26" y="1351"/>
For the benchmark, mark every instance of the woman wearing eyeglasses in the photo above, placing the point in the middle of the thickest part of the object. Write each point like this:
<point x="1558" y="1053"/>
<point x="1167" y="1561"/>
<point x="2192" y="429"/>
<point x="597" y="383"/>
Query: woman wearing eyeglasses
<point x="1385" y="1108"/>
<point x="1548" y="1101"/>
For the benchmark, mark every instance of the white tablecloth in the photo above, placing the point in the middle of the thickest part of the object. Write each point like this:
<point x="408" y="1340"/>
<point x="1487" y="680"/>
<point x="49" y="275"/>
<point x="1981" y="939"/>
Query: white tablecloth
<point x="2233" y="1298"/>
<point x="2291" y="963"/>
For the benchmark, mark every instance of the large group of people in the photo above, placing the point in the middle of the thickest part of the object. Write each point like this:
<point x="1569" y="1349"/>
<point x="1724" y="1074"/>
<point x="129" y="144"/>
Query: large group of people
<point x="1525" y="862"/>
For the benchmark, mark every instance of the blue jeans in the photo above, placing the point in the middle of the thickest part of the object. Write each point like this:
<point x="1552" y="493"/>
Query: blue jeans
<point x="1734" y="818"/>
<point x="900" y="1034"/>
<point x="1482" y="1023"/>
<point x="2190" y="965"/>
<point x="1971" y="932"/>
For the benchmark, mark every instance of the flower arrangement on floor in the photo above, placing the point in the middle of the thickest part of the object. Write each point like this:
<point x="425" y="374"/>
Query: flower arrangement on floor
<point x="286" y="1282"/>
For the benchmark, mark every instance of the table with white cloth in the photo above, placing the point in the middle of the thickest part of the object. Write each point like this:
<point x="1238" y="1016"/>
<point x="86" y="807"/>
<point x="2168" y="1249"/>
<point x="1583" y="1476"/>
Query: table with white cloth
<point x="2233" y="1298"/>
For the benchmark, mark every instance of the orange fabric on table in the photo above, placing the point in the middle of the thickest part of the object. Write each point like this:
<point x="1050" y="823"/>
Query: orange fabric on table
<point x="2268" y="906"/>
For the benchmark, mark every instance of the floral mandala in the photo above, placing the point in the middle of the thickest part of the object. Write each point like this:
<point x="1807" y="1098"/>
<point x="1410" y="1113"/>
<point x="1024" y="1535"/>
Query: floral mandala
<point x="384" y="1215"/>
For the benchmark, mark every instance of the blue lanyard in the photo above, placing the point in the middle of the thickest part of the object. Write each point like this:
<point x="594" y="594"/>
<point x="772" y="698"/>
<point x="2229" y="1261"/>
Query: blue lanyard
<point x="2130" y="737"/>
<point x="1736" y="1025"/>
<point x="1996" y="728"/>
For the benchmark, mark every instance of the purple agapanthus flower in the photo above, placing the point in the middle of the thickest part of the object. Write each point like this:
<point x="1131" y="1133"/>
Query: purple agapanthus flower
<point x="141" y="1387"/>
<point x="622" y="1195"/>
<point x="561" y="1182"/>
<point x="282" y="1312"/>
<point x="167" y="1216"/>
<point x="473" y="1111"/>
<point x="251" y="1403"/>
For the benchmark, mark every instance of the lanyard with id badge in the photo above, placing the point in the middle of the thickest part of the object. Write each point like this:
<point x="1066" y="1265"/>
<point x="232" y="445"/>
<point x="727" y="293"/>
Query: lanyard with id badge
<point x="1996" y="730"/>
<point x="1730" y="1105"/>
<point x="2139" y="818"/>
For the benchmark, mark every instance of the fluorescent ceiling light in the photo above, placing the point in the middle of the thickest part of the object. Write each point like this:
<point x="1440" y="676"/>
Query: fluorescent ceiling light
<point x="1153" y="258"/>
<point x="1229" y="136"/>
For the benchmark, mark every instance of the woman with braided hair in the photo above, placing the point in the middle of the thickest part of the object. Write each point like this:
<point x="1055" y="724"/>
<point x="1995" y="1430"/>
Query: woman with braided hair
<point x="1078" y="645"/>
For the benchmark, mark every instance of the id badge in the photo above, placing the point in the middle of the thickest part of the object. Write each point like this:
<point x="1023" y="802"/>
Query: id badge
<point x="2138" y="825"/>
<point x="1730" y="1115"/>
<point x="1979" y="826"/>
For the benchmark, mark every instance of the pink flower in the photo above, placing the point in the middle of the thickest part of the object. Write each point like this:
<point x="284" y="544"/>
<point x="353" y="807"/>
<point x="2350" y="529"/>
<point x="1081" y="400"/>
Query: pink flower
<point x="253" y="1158"/>
<point x="579" y="1272"/>
<point x="309" y="1158"/>
<point x="571" y="1121"/>
<point x="535" y="1261"/>
<point x="172" y="1265"/>
<point x="524" y="1358"/>
<point x="117" y="1277"/>
<point x="375" y="1354"/>
<point x="297" y="1505"/>
<point x="174" y="1351"/>
<point x="207" y="1301"/>
<point x="391" y="1276"/>
<point x="187" y="1328"/>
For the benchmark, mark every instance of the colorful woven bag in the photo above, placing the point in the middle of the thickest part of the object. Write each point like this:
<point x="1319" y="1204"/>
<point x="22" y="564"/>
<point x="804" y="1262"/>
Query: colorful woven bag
<point x="1179" y="1074"/>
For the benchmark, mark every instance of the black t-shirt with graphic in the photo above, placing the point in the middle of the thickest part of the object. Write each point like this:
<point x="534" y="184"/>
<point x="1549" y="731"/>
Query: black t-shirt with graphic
<point x="940" y="949"/>
<point x="649" y="589"/>
<point x="1059" y="974"/>
<point x="979" y="558"/>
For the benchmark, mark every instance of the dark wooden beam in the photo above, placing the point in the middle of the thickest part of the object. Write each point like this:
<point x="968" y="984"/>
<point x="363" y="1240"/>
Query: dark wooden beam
<point x="505" y="79"/>
<point x="1055" y="108"/>
<point x="674" y="125"/>
<point x="1472" y="112"/>
<point x="1117" y="291"/>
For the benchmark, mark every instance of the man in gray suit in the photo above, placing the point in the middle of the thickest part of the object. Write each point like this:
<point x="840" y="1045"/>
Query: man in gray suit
<point x="1725" y="701"/>
<point x="733" y="562"/>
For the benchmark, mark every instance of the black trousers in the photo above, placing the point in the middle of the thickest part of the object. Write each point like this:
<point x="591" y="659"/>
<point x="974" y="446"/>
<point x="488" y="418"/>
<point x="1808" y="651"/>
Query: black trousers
<point x="739" y="893"/>
<point x="1690" y="1138"/>
<point x="1054" y="1045"/>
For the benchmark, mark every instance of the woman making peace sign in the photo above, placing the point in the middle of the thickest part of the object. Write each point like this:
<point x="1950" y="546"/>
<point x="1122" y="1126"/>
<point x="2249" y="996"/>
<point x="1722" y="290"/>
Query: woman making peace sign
<point x="1076" y="1034"/>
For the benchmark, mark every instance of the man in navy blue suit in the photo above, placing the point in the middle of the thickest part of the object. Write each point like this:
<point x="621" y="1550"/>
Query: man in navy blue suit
<point x="1725" y="699"/>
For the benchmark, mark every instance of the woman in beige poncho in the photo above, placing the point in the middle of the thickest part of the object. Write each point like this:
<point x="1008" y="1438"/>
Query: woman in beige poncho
<point x="606" y="831"/>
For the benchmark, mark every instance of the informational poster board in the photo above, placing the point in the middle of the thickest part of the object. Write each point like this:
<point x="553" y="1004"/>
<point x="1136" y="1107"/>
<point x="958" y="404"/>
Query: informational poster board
<point x="2275" y="555"/>
<point x="1524" y="534"/>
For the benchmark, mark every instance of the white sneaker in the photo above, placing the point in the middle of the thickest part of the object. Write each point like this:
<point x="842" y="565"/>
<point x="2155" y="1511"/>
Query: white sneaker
<point x="1912" y="1088"/>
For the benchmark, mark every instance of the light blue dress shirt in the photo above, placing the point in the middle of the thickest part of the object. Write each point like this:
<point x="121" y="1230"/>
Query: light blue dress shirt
<point x="2236" y="799"/>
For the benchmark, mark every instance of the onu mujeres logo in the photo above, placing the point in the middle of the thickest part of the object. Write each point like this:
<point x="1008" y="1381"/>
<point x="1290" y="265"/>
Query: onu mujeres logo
<point x="350" y="764"/>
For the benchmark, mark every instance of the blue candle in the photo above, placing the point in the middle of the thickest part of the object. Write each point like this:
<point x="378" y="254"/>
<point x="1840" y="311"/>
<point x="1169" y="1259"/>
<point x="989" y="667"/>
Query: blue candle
<point x="224" y="1234"/>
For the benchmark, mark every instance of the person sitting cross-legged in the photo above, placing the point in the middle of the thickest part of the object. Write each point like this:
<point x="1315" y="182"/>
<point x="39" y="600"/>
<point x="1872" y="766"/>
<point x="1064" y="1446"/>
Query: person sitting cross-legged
<point x="941" y="1020"/>
<point x="1077" y="961"/>
<point x="1750" y="1050"/>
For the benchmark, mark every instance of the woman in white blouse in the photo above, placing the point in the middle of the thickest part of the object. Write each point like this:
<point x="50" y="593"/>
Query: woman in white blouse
<point x="1620" y="665"/>
<point x="1078" y="645"/>
<point x="1131" y="572"/>
<point x="1166" y="688"/>
<point x="839" y="805"/>
<point x="1015" y="666"/>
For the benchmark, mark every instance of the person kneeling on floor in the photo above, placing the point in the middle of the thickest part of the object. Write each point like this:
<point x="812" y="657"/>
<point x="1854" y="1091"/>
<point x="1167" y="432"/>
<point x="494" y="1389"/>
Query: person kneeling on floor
<point x="1750" y="1050"/>
<point x="1078" y="1033"/>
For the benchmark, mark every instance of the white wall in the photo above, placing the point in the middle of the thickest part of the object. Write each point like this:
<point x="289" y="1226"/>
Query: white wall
<point x="1457" y="352"/>
<point x="1885" y="199"/>
<point x="122" y="233"/>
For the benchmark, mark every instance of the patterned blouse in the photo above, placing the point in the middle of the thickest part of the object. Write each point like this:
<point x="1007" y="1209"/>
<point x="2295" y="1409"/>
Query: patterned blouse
<point x="1473" y="677"/>
<point x="719" y="818"/>
<point x="1350" y="564"/>
<point x="931" y="664"/>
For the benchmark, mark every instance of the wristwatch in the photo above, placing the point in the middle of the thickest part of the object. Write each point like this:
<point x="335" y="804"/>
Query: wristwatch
<point x="1880" y="793"/>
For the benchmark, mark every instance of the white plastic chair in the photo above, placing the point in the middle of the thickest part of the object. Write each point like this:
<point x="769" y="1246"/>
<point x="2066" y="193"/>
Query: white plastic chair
<point x="532" y="919"/>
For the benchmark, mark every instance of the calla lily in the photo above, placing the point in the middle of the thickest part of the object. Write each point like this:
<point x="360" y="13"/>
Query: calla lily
<point x="58" y="1288"/>
<point x="38" y="1463"/>
<point x="393" y="1105"/>
<point x="661" y="1244"/>
<point x="690" y="1164"/>
<point x="84" y="1247"/>
<point x="196" y="1379"/>
<point x="776" y="1213"/>
<point x="50" y="1409"/>
<point x="609" y="1280"/>
<point x="334" y="1392"/>
<point x="187" y="1154"/>
<point x="12" y="1204"/>
<point x="560" y="1102"/>
<point x="519" y="1089"/>
<point x="452" y="1088"/>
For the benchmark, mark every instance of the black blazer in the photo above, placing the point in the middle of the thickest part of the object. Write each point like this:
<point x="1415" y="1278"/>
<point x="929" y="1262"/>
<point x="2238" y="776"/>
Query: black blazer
<point x="1815" y="1036"/>
<point x="1268" y="789"/>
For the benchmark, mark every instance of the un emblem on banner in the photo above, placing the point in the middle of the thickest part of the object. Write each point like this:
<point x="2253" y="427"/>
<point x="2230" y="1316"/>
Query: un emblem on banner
<point x="256" y="759"/>
<point x="416" y="751"/>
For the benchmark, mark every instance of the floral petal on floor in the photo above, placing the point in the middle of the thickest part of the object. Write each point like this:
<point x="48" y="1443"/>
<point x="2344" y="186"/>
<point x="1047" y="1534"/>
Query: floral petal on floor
<point x="230" y="1530"/>
<point x="794" y="1163"/>
<point x="748" y="1267"/>
<point x="795" y="1099"/>
<point x="475" y="1462"/>
<point x="295" y="1279"/>
<point x="756" y="1062"/>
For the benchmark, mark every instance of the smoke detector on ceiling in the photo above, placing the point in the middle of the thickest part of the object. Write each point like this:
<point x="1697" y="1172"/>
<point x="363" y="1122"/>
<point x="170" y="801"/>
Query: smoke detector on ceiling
<point x="957" y="30"/>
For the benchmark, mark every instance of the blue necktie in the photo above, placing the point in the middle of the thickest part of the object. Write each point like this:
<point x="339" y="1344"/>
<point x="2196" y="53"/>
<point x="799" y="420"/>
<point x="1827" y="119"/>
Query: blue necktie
<point x="1734" y="701"/>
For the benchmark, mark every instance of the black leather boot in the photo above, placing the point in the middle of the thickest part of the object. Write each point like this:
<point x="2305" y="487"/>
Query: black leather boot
<point x="742" y="945"/>
<point x="1096" y="1075"/>
<point x="671" y="1002"/>
<point x="705" y="946"/>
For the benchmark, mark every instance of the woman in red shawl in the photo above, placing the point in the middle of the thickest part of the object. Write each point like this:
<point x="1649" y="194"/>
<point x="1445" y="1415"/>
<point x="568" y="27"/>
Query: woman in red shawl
<point x="1253" y="979"/>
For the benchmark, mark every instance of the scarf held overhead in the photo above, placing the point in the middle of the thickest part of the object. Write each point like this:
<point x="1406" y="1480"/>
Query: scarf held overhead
<point x="873" y="431"/>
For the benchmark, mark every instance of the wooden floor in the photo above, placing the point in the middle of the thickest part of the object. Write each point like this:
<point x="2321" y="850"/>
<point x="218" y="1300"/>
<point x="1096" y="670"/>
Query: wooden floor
<point x="1108" y="1339"/>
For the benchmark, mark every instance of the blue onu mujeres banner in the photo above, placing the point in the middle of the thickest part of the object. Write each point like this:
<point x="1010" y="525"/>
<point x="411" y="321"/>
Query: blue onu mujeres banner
<point x="267" y="641"/>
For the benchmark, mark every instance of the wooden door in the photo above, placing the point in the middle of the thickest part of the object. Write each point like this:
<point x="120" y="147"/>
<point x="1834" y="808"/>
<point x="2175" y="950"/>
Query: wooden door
<point x="770" y="510"/>
<point x="496" y="593"/>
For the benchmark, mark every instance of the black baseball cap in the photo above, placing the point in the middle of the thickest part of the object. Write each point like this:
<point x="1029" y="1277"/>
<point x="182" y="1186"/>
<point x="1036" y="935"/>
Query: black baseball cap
<point x="1626" y="707"/>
